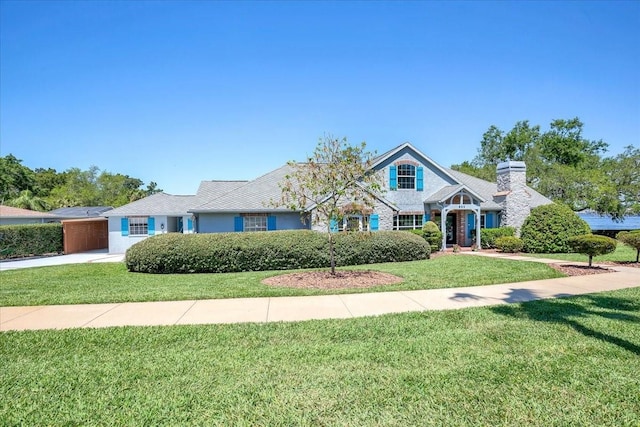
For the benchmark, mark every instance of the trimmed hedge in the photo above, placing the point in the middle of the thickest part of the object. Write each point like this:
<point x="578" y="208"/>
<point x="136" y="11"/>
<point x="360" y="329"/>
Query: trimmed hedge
<point x="509" y="244"/>
<point x="592" y="245"/>
<point x="631" y="238"/>
<point x="548" y="228"/>
<point x="30" y="239"/>
<point x="432" y="234"/>
<point x="274" y="250"/>
<point x="488" y="236"/>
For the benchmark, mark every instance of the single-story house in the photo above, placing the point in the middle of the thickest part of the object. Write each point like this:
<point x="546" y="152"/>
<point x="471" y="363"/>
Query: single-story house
<point x="11" y="216"/>
<point x="604" y="224"/>
<point x="159" y="213"/>
<point x="416" y="189"/>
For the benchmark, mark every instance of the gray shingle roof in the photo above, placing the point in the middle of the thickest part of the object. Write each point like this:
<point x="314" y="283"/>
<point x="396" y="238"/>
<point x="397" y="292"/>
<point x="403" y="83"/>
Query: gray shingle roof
<point x="209" y="190"/>
<point x="252" y="196"/>
<point x="156" y="204"/>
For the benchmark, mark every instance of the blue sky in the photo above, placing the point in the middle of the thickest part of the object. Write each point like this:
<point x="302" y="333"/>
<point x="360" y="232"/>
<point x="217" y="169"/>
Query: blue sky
<point x="178" y="92"/>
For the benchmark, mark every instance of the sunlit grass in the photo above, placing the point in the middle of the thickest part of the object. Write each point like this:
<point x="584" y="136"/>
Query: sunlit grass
<point x="623" y="253"/>
<point x="111" y="282"/>
<point x="563" y="362"/>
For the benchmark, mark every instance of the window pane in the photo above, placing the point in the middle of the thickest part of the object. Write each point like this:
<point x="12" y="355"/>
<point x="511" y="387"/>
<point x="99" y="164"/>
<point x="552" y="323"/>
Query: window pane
<point x="138" y="226"/>
<point x="406" y="176"/>
<point x="255" y="223"/>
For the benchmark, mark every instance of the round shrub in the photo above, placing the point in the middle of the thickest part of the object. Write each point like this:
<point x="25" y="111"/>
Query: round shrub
<point x="274" y="250"/>
<point x="488" y="236"/>
<point x="548" y="228"/>
<point x="631" y="238"/>
<point x="432" y="234"/>
<point x="592" y="245"/>
<point x="509" y="244"/>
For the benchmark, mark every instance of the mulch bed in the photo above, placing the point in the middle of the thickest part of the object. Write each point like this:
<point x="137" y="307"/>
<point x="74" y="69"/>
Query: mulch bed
<point x="366" y="278"/>
<point x="341" y="280"/>
<point x="580" y="270"/>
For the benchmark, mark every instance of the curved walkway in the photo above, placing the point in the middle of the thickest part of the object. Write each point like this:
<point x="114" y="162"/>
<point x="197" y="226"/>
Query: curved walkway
<point x="286" y="309"/>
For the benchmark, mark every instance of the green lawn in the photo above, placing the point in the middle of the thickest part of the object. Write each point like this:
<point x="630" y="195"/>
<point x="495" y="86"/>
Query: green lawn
<point x="623" y="253"/>
<point x="562" y="362"/>
<point x="111" y="282"/>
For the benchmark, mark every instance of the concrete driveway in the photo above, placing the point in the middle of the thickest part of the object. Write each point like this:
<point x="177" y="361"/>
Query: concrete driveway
<point x="101" y="255"/>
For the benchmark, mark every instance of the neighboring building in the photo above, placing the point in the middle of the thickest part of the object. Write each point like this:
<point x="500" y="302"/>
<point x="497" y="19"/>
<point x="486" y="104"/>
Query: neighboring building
<point x="11" y="216"/>
<point x="416" y="189"/>
<point x="604" y="224"/>
<point x="78" y="212"/>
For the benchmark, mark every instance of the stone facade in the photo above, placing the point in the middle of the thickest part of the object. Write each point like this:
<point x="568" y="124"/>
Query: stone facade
<point x="512" y="194"/>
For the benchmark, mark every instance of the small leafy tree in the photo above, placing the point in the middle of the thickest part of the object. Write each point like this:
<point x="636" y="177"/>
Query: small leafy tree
<point x="592" y="245"/>
<point x="631" y="238"/>
<point x="432" y="234"/>
<point x="335" y="175"/>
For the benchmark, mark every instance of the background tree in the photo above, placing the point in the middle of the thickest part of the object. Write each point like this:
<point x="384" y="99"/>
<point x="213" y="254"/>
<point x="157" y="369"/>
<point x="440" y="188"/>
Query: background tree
<point x="49" y="189"/>
<point x="14" y="178"/>
<point x="335" y="174"/>
<point x="624" y="173"/>
<point x="27" y="200"/>
<point x="47" y="180"/>
<point x="563" y="165"/>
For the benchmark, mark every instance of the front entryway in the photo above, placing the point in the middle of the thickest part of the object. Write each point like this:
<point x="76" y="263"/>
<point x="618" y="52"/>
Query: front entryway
<point x="452" y="220"/>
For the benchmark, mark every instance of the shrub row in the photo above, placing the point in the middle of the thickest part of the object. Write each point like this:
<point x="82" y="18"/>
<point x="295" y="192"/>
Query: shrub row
<point x="275" y="250"/>
<point x="30" y="239"/>
<point x="509" y="244"/>
<point x="488" y="236"/>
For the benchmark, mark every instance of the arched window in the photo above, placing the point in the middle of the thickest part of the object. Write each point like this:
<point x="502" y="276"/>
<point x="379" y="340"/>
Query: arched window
<point x="406" y="176"/>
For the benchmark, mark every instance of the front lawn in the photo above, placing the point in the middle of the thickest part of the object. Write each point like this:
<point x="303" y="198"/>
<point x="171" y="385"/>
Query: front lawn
<point x="561" y="362"/>
<point x="111" y="282"/>
<point x="623" y="253"/>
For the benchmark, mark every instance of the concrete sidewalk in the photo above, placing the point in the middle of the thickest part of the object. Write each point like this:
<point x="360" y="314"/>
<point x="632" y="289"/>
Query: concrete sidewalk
<point x="278" y="309"/>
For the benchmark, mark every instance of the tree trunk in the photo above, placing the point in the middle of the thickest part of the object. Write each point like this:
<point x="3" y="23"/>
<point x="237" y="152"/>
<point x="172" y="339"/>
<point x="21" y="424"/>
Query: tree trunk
<point x="590" y="260"/>
<point x="332" y="254"/>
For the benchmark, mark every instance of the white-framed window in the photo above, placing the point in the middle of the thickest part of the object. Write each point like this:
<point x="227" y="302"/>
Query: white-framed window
<point x="354" y="223"/>
<point x="406" y="177"/>
<point x="255" y="223"/>
<point x="483" y="221"/>
<point x="138" y="225"/>
<point x="407" y="222"/>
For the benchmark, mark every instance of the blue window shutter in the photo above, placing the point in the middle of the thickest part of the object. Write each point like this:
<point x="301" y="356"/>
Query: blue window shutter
<point x="151" y="226"/>
<point x="333" y="225"/>
<point x="124" y="226"/>
<point x="238" y="223"/>
<point x="489" y="220"/>
<point x="419" y="179"/>
<point x="271" y="223"/>
<point x="189" y="224"/>
<point x="373" y="222"/>
<point x="393" y="177"/>
<point x="426" y="217"/>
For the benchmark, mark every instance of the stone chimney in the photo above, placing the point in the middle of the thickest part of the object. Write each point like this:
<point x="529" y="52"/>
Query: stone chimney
<point x="512" y="194"/>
